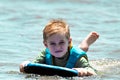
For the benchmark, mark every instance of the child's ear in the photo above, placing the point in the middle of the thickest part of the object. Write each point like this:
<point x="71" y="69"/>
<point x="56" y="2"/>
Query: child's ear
<point x="70" y="43"/>
<point x="45" y="43"/>
<point x="70" y="40"/>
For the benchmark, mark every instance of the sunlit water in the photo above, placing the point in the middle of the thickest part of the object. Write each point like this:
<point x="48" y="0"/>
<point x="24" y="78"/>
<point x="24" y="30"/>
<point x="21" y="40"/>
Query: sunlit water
<point x="22" y="22"/>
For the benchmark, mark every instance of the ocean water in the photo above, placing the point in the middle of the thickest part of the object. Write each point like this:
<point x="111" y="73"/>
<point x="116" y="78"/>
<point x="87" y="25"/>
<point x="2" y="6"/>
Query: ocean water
<point x="22" y="22"/>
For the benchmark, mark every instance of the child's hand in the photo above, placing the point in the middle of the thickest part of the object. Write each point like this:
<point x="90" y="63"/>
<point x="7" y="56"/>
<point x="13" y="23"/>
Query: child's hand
<point x="84" y="72"/>
<point x="22" y="65"/>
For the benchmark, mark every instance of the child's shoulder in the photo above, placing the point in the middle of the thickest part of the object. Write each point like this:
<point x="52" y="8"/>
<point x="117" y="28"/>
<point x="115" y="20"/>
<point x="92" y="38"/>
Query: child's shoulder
<point x="41" y="53"/>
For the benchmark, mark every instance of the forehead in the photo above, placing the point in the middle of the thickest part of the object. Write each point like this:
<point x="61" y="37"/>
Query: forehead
<point x="57" y="37"/>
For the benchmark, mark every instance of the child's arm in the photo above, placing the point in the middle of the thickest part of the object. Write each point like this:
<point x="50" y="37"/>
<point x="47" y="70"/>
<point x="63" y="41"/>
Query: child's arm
<point x="83" y="68"/>
<point x="39" y="59"/>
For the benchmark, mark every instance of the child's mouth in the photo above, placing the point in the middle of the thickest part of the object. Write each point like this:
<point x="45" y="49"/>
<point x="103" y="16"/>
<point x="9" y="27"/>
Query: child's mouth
<point x="58" y="51"/>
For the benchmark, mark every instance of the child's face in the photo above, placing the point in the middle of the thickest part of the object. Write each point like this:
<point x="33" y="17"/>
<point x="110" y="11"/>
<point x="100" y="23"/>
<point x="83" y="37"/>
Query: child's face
<point x="57" y="44"/>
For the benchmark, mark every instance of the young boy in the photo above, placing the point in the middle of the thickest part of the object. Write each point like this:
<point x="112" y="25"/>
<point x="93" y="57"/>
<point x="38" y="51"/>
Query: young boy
<point x="60" y="52"/>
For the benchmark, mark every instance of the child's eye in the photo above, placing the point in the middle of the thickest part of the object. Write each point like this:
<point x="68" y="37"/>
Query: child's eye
<point x="61" y="42"/>
<point x="52" y="43"/>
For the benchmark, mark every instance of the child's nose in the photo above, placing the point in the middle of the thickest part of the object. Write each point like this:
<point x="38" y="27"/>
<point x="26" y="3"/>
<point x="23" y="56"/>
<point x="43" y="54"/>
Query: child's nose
<point x="58" y="47"/>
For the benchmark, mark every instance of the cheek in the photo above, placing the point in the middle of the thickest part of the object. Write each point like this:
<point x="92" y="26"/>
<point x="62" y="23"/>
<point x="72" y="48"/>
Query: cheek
<point x="65" y="47"/>
<point x="51" y="48"/>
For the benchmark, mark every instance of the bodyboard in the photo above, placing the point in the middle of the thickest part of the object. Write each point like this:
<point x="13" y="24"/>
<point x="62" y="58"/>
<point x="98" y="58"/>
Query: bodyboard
<point x="50" y="70"/>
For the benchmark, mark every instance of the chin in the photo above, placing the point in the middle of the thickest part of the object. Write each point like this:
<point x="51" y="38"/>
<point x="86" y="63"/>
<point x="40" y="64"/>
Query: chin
<point x="58" y="56"/>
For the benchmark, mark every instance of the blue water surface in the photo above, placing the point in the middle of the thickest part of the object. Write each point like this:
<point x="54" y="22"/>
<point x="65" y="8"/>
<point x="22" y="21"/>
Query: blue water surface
<point x="22" y="22"/>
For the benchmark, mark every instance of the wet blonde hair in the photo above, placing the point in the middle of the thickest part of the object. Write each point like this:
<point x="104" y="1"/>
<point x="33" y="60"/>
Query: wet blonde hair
<point x="56" y="26"/>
